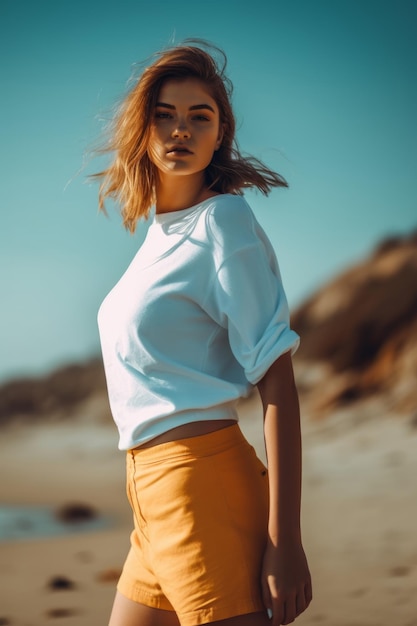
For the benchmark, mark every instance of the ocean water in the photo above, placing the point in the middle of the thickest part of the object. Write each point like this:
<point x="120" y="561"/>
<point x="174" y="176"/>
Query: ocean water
<point x="27" y="522"/>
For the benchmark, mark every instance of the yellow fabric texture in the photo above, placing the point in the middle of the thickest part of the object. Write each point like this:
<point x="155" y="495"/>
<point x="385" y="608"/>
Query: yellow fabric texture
<point x="200" y="522"/>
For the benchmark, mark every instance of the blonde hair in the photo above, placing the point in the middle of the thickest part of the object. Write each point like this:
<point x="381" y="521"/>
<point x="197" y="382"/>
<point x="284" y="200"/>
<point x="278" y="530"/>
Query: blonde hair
<point x="130" y="178"/>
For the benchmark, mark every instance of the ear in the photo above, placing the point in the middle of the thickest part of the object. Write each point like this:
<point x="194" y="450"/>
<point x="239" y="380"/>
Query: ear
<point x="220" y="137"/>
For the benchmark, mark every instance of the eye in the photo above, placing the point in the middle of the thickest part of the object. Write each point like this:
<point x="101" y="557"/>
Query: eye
<point x="162" y="115"/>
<point x="201" y="118"/>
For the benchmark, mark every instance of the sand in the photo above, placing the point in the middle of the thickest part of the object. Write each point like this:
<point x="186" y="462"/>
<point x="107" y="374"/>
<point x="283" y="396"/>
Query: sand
<point x="359" y="518"/>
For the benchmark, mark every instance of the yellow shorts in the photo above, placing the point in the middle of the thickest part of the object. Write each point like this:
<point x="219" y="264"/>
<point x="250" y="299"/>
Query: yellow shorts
<point x="200" y="511"/>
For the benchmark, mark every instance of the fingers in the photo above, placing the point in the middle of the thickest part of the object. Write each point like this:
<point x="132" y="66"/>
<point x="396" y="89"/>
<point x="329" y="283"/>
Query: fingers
<point x="308" y="593"/>
<point x="290" y="610"/>
<point x="283" y="610"/>
<point x="286" y="610"/>
<point x="303" y="599"/>
<point x="266" y="595"/>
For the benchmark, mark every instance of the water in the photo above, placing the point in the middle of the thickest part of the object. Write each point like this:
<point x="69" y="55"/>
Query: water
<point x="26" y="522"/>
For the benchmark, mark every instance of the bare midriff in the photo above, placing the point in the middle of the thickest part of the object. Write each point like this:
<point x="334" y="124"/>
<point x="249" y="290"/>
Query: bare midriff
<point x="193" y="429"/>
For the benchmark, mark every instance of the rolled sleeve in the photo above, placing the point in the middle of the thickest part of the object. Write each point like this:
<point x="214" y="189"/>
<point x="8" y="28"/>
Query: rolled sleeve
<point x="250" y="297"/>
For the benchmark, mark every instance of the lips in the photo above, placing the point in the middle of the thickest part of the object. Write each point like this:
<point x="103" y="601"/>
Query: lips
<point x="178" y="149"/>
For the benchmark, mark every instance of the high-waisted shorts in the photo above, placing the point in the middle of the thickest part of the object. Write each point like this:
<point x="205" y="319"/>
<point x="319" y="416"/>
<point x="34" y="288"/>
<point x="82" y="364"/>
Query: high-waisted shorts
<point x="200" y="510"/>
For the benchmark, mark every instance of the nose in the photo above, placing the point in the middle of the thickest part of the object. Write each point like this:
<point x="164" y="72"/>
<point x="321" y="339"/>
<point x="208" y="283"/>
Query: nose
<point x="180" y="131"/>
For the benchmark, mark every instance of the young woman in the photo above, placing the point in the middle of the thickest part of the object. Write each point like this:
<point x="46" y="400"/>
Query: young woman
<point x="200" y="317"/>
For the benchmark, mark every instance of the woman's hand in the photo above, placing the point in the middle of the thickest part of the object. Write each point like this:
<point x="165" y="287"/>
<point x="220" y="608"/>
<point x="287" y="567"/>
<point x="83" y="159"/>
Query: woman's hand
<point x="286" y="581"/>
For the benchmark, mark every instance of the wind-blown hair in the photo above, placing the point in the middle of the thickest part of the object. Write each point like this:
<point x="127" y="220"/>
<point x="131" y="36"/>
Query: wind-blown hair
<point x="130" y="179"/>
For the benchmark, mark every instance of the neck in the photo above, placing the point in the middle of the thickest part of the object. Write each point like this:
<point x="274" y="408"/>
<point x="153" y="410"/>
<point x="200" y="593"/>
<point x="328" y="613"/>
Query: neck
<point x="180" y="192"/>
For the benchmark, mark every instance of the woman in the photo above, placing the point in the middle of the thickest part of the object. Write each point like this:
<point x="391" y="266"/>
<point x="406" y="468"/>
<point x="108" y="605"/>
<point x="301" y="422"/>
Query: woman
<point x="199" y="318"/>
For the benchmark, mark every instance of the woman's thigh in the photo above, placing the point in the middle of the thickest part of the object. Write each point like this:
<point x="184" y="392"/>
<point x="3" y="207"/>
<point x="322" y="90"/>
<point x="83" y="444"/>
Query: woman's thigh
<point x="126" y="612"/>
<point x="250" y="619"/>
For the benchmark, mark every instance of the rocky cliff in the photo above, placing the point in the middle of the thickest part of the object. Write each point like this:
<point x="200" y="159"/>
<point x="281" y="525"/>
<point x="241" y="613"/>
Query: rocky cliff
<point x="359" y="332"/>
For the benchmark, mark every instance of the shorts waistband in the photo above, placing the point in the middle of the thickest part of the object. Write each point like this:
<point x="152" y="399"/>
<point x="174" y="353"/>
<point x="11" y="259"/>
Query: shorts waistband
<point x="199" y="446"/>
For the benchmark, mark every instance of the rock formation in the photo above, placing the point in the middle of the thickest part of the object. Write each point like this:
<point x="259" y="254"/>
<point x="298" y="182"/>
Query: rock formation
<point x="359" y="332"/>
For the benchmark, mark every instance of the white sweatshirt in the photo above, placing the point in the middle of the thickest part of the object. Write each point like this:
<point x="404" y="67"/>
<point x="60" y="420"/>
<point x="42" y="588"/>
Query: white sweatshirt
<point x="196" y="320"/>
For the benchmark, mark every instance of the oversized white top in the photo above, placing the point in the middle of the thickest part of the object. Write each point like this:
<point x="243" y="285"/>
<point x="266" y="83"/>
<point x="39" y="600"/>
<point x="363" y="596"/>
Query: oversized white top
<point x="196" y="320"/>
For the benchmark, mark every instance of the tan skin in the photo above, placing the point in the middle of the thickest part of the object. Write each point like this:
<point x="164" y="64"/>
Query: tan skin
<point x="286" y="582"/>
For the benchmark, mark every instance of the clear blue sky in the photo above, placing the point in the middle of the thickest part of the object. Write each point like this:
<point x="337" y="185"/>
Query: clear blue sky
<point x="325" y="92"/>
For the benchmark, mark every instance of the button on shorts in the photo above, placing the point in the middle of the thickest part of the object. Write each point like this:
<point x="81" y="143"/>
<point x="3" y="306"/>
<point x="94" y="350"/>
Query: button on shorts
<point x="200" y="510"/>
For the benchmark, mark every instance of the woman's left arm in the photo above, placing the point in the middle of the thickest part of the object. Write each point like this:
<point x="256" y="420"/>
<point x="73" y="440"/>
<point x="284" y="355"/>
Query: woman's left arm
<point x="286" y="581"/>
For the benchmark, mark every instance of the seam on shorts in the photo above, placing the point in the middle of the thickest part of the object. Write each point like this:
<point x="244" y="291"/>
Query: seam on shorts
<point x="137" y="511"/>
<point x="136" y="593"/>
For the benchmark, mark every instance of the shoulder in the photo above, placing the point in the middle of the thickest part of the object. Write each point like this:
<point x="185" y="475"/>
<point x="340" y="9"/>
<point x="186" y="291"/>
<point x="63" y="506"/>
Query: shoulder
<point x="232" y="225"/>
<point x="225" y="209"/>
<point x="231" y="222"/>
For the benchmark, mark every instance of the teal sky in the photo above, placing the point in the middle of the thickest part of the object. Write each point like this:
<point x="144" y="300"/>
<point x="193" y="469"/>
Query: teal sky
<point x="325" y="92"/>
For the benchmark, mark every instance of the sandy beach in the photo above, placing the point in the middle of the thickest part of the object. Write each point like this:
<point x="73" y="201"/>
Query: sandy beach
<point x="359" y="517"/>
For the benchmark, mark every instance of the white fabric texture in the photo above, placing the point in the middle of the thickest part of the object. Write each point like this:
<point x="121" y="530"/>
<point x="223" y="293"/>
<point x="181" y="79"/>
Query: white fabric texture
<point x="197" y="319"/>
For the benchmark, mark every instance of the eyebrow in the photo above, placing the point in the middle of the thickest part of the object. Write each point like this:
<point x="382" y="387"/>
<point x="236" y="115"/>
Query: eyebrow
<point x="195" y="107"/>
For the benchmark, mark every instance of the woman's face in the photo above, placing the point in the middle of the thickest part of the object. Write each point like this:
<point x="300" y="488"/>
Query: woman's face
<point x="185" y="130"/>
